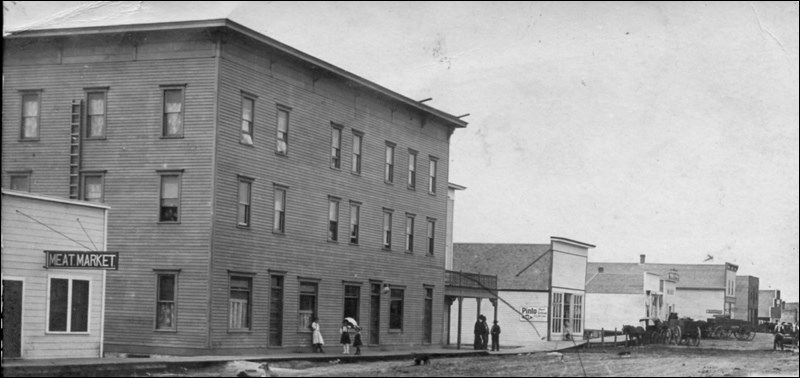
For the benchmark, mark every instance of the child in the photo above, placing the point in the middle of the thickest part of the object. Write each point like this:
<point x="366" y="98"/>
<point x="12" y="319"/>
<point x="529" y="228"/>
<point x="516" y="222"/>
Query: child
<point x="345" y="338"/>
<point x="357" y="340"/>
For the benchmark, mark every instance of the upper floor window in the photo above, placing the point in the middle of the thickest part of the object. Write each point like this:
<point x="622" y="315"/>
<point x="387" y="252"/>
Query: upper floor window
<point x="96" y="115"/>
<point x="431" y="232"/>
<point x="336" y="146"/>
<point x="248" y="114"/>
<point x="279" y="219"/>
<point x="93" y="187"/>
<point x="357" y="138"/>
<point x="410" y="232"/>
<point x="173" y="112"/>
<point x="355" y="209"/>
<point x="245" y="187"/>
<point x="432" y="175"/>
<point x="20" y="181"/>
<point x="412" y="169"/>
<point x="31" y="105"/>
<point x="388" y="175"/>
<point x="170" y="197"/>
<point x="387" y="229"/>
<point x="282" y="146"/>
<point x="333" y="219"/>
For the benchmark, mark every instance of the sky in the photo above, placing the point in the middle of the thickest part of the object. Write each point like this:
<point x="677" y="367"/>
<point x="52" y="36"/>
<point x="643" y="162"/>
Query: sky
<point x="668" y="129"/>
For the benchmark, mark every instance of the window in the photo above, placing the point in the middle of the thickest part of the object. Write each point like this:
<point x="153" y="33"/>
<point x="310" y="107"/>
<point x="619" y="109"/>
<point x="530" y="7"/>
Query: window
<point x="357" y="138"/>
<point x="282" y="146"/>
<point x="432" y="175"/>
<point x="412" y="169"/>
<point x="355" y="209"/>
<point x="352" y="295"/>
<point x="30" y="116"/>
<point x="387" y="229"/>
<point x="20" y="182"/>
<point x="173" y="112"/>
<point x="409" y="233"/>
<point x="558" y="319"/>
<point x="248" y="114"/>
<point x="567" y="313"/>
<point x="239" y="310"/>
<point x="430" y="234"/>
<point x="336" y="146"/>
<point x="68" y="305"/>
<point x="333" y="219"/>
<point x="243" y="218"/>
<point x="396" y="310"/>
<point x="93" y="187"/>
<point x="279" y="219"/>
<point x="96" y="115"/>
<point x="308" y="306"/>
<point x="276" y="310"/>
<point x="165" y="300"/>
<point x="389" y="171"/>
<point x="170" y="198"/>
<point x="577" y="317"/>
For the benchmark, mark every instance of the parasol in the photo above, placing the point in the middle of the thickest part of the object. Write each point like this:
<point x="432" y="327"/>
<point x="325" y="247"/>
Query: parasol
<point x="351" y="321"/>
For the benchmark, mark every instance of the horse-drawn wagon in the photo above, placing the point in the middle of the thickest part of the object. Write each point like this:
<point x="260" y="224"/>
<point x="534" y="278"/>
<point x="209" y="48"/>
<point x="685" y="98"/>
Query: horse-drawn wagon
<point x="723" y="327"/>
<point x="685" y="331"/>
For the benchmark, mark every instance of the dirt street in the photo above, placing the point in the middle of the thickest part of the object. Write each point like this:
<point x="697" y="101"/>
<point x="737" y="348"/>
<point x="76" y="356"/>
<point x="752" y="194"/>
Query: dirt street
<point x="712" y="358"/>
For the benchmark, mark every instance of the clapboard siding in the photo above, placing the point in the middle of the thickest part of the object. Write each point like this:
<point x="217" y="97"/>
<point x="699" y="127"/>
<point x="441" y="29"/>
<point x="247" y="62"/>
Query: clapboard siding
<point x="304" y="251"/>
<point x="24" y="240"/>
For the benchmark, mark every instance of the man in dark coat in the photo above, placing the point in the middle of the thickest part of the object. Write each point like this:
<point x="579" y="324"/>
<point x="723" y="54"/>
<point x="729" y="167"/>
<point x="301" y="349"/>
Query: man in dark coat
<point x="485" y="333"/>
<point x="478" y="331"/>
<point x="496" y="337"/>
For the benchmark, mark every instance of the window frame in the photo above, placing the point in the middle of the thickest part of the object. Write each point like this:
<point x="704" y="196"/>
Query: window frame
<point x="164" y="123"/>
<point x="386" y="231"/>
<point x="162" y="175"/>
<point x="356" y="287"/>
<point x="433" y="171"/>
<point x="333" y="218"/>
<point x="279" y="216"/>
<point x="393" y="313"/>
<point x="85" y="175"/>
<point x="248" y="207"/>
<point x="336" y="146"/>
<point x="285" y="139"/>
<point x="412" y="169"/>
<point x="69" y="305"/>
<point x="38" y="116"/>
<point x="301" y="327"/>
<point x="26" y="175"/>
<point x="410" y="220"/>
<point x="431" y="235"/>
<point x="389" y="160"/>
<point x="247" y="277"/>
<point x="159" y="301"/>
<point x="88" y="117"/>
<point x="355" y="224"/>
<point x="251" y="123"/>
<point x="358" y="152"/>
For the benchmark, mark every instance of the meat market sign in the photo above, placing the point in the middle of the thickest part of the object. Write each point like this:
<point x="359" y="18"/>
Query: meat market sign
<point x="81" y="260"/>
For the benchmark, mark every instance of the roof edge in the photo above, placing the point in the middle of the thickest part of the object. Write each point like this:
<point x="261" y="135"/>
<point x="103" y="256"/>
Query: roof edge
<point x="227" y="23"/>
<point x="40" y="197"/>
<point x="573" y="242"/>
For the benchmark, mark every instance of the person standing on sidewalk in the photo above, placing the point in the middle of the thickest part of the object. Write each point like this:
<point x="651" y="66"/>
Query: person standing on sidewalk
<point x="357" y="340"/>
<point x="344" y="339"/>
<point x="478" y="331"/>
<point x="316" y="335"/>
<point x="495" y="337"/>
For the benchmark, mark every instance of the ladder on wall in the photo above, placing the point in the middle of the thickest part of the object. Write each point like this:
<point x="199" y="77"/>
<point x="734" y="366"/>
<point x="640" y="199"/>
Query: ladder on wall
<point x="75" y="149"/>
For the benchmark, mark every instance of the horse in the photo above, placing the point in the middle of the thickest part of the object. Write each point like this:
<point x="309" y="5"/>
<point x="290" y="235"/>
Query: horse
<point x="785" y="335"/>
<point x="633" y="333"/>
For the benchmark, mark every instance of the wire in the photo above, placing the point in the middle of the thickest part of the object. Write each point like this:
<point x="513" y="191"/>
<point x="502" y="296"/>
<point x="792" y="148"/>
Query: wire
<point x="87" y="234"/>
<point x="54" y="230"/>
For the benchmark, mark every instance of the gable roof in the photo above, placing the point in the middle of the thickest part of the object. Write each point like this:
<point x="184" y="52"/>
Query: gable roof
<point x="695" y="276"/>
<point x="615" y="283"/>
<point x="517" y="266"/>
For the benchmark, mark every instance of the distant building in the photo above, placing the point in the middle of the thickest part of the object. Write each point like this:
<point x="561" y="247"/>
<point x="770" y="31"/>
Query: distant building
<point x="53" y="308"/>
<point x="540" y="289"/>
<point x="789" y="312"/>
<point x="747" y="299"/>
<point x="617" y="299"/>
<point x="770" y="306"/>
<point x="701" y="290"/>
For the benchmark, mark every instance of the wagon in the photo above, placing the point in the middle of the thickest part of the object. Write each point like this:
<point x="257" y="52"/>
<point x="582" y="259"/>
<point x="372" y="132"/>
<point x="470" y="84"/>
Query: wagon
<point x="723" y="327"/>
<point x="685" y="331"/>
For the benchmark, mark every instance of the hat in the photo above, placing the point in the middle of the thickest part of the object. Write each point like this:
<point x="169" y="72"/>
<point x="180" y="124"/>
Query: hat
<point x="495" y="322"/>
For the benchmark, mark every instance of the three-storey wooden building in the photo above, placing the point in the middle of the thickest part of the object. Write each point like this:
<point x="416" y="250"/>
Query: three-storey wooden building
<point x="253" y="186"/>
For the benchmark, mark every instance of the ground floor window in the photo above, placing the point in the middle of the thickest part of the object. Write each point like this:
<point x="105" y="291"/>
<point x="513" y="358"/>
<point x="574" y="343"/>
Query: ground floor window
<point x="240" y="299"/>
<point x="68" y="305"/>
<point x="308" y="305"/>
<point x="352" y="297"/>
<point x="396" y="310"/>
<point x="165" y="301"/>
<point x="567" y="312"/>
